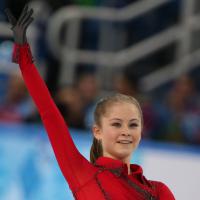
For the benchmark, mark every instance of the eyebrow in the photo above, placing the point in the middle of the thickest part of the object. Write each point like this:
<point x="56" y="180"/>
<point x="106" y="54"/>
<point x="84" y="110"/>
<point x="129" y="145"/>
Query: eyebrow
<point x="121" y="119"/>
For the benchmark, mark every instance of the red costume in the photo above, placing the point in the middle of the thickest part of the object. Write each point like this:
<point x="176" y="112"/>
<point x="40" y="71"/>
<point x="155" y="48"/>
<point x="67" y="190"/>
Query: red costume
<point x="108" y="179"/>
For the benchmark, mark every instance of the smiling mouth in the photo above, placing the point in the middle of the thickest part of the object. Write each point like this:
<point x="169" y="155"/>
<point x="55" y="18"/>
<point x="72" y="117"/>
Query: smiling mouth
<point x="124" y="142"/>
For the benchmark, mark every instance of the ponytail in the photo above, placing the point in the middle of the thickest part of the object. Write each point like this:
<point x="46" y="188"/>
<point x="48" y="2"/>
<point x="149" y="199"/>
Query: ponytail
<point x="96" y="150"/>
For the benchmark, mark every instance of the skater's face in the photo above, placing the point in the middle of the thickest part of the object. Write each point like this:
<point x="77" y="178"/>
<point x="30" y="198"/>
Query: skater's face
<point x="120" y="130"/>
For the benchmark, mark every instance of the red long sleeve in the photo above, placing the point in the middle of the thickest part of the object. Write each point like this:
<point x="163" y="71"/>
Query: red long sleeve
<point x="164" y="192"/>
<point x="87" y="182"/>
<point x="71" y="162"/>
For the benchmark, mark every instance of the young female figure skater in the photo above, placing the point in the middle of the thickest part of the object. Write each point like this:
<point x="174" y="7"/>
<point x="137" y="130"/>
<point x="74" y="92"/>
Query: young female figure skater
<point x="117" y="133"/>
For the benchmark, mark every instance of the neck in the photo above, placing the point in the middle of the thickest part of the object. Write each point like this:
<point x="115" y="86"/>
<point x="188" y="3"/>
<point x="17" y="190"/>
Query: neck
<point x="124" y="160"/>
<point x="129" y="169"/>
<point x="127" y="162"/>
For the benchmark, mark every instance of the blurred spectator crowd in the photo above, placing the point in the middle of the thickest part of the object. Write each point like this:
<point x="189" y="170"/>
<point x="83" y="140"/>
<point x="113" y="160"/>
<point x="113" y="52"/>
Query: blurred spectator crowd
<point x="171" y="112"/>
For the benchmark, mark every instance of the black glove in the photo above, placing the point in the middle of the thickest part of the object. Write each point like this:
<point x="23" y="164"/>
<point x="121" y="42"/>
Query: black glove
<point x="20" y="26"/>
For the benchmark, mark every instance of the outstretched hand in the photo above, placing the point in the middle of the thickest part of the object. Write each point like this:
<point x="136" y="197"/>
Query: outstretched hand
<point x="20" y="26"/>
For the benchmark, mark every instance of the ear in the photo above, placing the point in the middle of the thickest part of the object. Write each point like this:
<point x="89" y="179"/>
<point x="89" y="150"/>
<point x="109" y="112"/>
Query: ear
<point x="96" y="130"/>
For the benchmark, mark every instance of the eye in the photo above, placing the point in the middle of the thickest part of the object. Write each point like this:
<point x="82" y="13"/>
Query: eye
<point x="133" y="125"/>
<point x="116" y="124"/>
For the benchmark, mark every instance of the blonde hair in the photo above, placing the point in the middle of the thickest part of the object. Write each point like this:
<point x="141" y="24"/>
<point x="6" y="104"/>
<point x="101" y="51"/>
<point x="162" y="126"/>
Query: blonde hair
<point x="101" y="109"/>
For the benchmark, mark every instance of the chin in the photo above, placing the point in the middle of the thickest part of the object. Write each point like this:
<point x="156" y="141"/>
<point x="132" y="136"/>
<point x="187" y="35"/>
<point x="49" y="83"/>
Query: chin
<point x="123" y="155"/>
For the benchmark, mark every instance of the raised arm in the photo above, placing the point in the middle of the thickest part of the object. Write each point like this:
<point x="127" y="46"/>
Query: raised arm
<point x="74" y="166"/>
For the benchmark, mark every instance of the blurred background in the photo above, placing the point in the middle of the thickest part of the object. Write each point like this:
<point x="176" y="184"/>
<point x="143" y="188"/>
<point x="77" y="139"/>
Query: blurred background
<point x="85" y="49"/>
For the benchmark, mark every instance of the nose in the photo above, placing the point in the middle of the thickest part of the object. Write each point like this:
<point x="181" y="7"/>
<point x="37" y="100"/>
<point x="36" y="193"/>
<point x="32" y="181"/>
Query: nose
<point x="125" y="131"/>
<point x="125" y="134"/>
